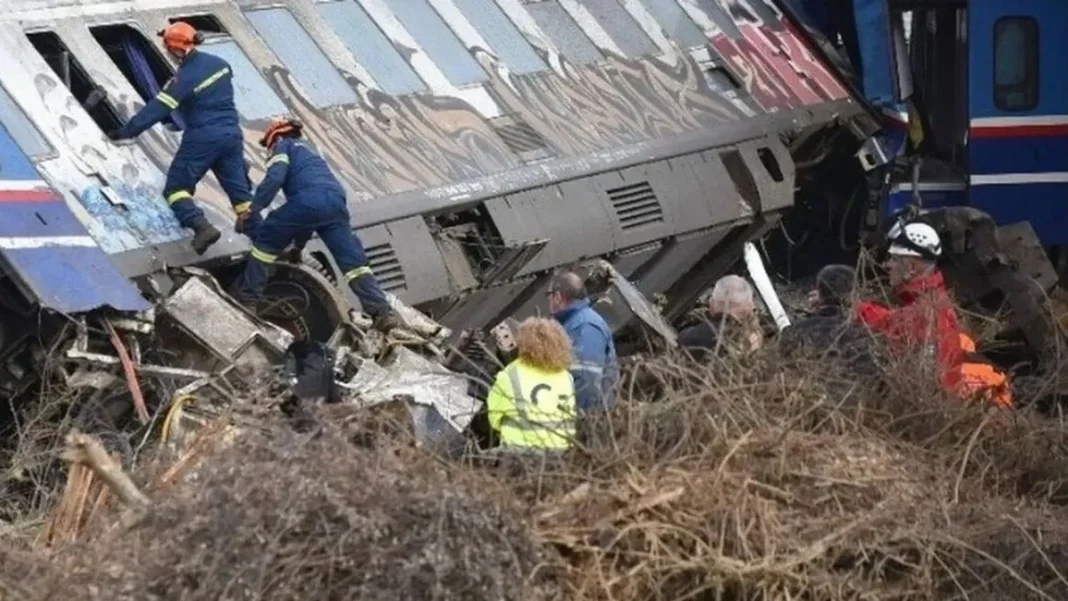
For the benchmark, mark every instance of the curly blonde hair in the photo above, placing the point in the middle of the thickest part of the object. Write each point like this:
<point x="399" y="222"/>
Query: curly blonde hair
<point x="544" y="344"/>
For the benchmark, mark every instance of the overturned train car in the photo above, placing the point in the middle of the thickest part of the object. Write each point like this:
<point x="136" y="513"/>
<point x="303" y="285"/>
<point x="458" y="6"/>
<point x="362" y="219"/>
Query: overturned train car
<point x="482" y="143"/>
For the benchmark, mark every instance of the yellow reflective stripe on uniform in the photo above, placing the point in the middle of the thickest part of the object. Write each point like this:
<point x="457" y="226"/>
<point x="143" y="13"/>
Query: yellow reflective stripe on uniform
<point x="211" y="80"/>
<point x="179" y="195"/>
<point x="242" y="207"/>
<point x="278" y="158"/>
<point x="262" y="256"/>
<point x="359" y="272"/>
<point x="167" y="99"/>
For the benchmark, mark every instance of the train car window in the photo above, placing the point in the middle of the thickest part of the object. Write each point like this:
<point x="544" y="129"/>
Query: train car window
<point x="21" y="129"/>
<point x="371" y="47"/>
<point x="433" y="34"/>
<point x="502" y="35"/>
<point x="208" y="25"/>
<point x="316" y="75"/>
<point x="138" y="60"/>
<point x="74" y="76"/>
<point x="565" y="34"/>
<point x="252" y="94"/>
<point x="1016" y="63"/>
<point x="677" y="25"/>
<point x="628" y="36"/>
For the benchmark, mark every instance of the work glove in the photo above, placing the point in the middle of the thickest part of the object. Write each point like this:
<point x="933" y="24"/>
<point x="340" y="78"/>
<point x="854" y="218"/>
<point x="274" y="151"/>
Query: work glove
<point x="242" y="219"/>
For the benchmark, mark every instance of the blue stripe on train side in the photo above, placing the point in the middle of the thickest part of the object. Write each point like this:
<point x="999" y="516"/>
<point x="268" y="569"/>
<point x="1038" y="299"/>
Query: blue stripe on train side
<point x="1023" y="154"/>
<point x="68" y="279"/>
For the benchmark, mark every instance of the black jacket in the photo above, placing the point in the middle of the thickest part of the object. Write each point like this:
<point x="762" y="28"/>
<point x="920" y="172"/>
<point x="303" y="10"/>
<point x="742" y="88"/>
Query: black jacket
<point x="718" y="332"/>
<point x="829" y="333"/>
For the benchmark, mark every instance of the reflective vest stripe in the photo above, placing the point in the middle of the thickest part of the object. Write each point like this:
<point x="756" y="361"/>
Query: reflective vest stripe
<point x="207" y="83"/>
<point x="553" y="428"/>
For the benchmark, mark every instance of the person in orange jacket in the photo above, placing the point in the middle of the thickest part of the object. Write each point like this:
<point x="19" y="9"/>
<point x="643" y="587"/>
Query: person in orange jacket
<point x="926" y="322"/>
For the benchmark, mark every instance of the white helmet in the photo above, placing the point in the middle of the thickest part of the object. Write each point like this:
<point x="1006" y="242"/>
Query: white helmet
<point x="914" y="240"/>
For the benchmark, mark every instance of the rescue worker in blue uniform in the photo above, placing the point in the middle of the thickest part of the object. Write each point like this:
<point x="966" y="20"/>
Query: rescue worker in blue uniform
<point x="315" y="203"/>
<point x="202" y="91"/>
<point x="595" y="368"/>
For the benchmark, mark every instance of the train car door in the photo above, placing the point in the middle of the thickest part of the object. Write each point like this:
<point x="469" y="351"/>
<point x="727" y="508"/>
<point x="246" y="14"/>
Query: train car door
<point x="1018" y="121"/>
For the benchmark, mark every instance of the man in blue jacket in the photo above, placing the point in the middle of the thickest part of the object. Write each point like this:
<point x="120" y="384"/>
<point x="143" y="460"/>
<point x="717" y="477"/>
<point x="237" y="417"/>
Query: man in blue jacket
<point x="202" y="91"/>
<point x="595" y="369"/>
<point x="315" y="203"/>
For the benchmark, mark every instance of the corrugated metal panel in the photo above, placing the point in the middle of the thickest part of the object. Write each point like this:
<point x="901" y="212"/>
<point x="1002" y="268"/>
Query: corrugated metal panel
<point x="47" y="250"/>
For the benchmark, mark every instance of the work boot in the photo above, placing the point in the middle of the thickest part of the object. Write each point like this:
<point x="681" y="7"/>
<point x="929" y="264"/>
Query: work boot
<point x="204" y="234"/>
<point x="386" y="320"/>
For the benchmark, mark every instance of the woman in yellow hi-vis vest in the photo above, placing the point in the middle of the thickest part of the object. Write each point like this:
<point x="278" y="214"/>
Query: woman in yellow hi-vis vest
<point x="532" y="402"/>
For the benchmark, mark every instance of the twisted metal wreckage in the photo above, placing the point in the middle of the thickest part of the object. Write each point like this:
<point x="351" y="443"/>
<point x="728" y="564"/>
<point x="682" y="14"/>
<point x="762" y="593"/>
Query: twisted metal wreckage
<point x="221" y="353"/>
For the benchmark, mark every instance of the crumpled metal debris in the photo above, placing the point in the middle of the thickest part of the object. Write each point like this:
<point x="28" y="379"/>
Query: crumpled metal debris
<point x="621" y="301"/>
<point x="423" y="382"/>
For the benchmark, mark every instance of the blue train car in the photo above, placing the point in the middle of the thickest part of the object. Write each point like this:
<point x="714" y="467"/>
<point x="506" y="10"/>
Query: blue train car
<point x="974" y="96"/>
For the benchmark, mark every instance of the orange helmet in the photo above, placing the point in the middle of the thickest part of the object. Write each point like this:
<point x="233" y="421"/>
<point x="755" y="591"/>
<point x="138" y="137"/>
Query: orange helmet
<point x="279" y="126"/>
<point x="181" y="36"/>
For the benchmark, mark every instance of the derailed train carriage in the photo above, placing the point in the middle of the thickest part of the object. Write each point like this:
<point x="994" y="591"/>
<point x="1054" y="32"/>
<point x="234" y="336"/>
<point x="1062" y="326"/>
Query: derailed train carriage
<point x="482" y="143"/>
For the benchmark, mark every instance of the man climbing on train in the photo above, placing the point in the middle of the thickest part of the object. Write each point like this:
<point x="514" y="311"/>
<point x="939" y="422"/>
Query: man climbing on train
<point x="315" y="203"/>
<point x="202" y="91"/>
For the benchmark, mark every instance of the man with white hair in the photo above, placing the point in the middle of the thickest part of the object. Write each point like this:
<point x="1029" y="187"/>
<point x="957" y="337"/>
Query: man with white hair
<point x="732" y="325"/>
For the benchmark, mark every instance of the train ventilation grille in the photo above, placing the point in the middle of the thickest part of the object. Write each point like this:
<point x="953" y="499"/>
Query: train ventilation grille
<point x="387" y="267"/>
<point x="636" y="205"/>
<point x="521" y="138"/>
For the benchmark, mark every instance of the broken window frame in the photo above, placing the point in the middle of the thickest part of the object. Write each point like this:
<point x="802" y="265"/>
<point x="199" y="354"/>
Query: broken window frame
<point x="74" y="66"/>
<point x="164" y="60"/>
<point x="205" y="23"/>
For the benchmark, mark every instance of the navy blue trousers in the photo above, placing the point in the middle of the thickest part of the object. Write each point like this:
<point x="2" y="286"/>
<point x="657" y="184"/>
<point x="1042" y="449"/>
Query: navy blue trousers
<point x="222" y="155"/>
<point x="295" y="222"/>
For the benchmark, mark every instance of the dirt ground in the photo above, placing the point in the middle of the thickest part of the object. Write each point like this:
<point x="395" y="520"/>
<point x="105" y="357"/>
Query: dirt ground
<point x="754" y="480"/>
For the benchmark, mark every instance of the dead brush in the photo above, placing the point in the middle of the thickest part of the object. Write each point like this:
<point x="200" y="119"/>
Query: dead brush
<point x="762" y="481"/>
<point x="754" y="479"/>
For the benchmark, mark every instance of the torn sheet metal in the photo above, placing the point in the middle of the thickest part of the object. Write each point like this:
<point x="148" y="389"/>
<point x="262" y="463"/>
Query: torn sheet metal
<point x="425" y="382"/>
<point x="623" y="300"/>
<point x="47" y="251"/>
<point x="215" y="321"/>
